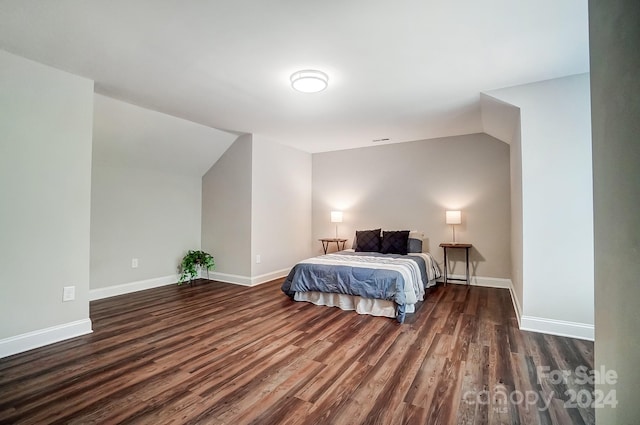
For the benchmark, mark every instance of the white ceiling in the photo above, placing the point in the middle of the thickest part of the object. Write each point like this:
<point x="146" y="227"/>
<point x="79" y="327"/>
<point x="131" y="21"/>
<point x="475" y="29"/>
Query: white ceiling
<point x="125" y="134"/>
<point x="404" y="70"/>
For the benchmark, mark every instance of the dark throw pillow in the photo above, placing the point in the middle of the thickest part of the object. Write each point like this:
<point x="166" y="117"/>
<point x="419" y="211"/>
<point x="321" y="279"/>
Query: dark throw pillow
<point x="395" y="242"/>
<point x="368" y="240"/>
<point x="415" y="245"/>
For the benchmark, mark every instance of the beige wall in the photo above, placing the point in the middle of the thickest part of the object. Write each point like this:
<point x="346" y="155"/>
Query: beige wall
<point x="45" y="178"/>
<point x="281" y="206"/>
<point x="146" y="189"/>
<point x="226" y="209"/>
<point x="517" y="243"/>
<point x="556" y="188"/>
<point x="410" y="185"/>
<point x="256" y="201"/>
<point x="502" y="120"/>
<point x="153" y="216"/>
<point x="615" y="88"/>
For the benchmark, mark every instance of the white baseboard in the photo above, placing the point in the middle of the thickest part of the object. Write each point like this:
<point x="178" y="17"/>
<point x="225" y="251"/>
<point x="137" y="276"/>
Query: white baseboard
<point x="516" y="305"/>
<point x="268" y="277"/>
<point x="41" y="337"/>
<point x="246" y="280"/>
<point x="126" y="288"/>
<point x="229" y="278"/>
<point x="558" y="327"/>
<point x="489" y="282"/>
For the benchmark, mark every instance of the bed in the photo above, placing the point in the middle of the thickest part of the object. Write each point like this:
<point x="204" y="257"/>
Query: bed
<point x="373" y="278"/>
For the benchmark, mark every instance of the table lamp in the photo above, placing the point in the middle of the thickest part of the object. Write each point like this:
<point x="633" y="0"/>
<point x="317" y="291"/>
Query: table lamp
<point x="453" y="218"/>
<point x="336" y="217"/>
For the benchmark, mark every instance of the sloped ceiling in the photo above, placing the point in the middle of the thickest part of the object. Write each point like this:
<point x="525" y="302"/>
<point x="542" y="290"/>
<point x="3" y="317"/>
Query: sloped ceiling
<point x="131" y="136"/>
<point x="402" y="70"/>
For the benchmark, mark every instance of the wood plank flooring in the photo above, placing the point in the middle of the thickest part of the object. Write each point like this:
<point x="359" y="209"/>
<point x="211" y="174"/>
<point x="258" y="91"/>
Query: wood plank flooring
<point x="217" y="353"/>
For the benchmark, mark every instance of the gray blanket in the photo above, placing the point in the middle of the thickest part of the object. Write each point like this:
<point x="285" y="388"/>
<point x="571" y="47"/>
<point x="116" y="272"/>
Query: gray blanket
<point x="398" y="278"/>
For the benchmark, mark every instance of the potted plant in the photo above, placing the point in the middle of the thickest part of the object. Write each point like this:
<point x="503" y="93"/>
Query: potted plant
<point x="193" y="261"/>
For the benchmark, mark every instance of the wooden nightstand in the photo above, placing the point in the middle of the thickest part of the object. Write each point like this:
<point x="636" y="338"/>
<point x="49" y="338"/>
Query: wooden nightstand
<point x="327" y="241"/>
<point x="466" y="247"/>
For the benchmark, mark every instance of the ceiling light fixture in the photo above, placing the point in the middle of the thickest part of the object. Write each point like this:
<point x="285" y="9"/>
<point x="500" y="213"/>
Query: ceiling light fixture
<point x="309" y="81"/>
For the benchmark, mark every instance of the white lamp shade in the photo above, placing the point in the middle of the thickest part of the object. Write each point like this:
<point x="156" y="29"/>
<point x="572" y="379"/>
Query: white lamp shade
<point x="453" y="217"/>
<point x="309" y="81"/>
<point x="336" y="216"/>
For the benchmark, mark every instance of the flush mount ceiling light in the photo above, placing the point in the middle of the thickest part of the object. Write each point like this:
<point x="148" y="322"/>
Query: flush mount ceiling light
<point x="309" y="81"/>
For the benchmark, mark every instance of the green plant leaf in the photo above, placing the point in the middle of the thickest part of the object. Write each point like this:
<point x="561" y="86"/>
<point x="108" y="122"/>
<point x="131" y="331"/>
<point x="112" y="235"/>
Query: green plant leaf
<point x="191" y="262"/>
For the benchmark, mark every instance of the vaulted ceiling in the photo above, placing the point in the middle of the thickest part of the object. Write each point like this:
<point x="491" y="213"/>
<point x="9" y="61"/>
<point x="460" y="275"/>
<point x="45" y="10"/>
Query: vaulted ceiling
<point x="403" y="70"/>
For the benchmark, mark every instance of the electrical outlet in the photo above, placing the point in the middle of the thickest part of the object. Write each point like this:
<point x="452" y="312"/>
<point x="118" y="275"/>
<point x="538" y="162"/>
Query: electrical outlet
<point x="134" y="263"/>
<point x="258" y="259"/>
<point x="68" y="293"/>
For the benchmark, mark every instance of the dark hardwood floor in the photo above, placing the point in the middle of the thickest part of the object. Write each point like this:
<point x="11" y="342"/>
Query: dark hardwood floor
<point x="218" y="353"/>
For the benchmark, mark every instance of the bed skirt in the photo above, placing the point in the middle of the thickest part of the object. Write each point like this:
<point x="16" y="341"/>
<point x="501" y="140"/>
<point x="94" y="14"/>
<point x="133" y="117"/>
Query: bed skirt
<point x="361" y="305"/>
<point x="373" y="307"/>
